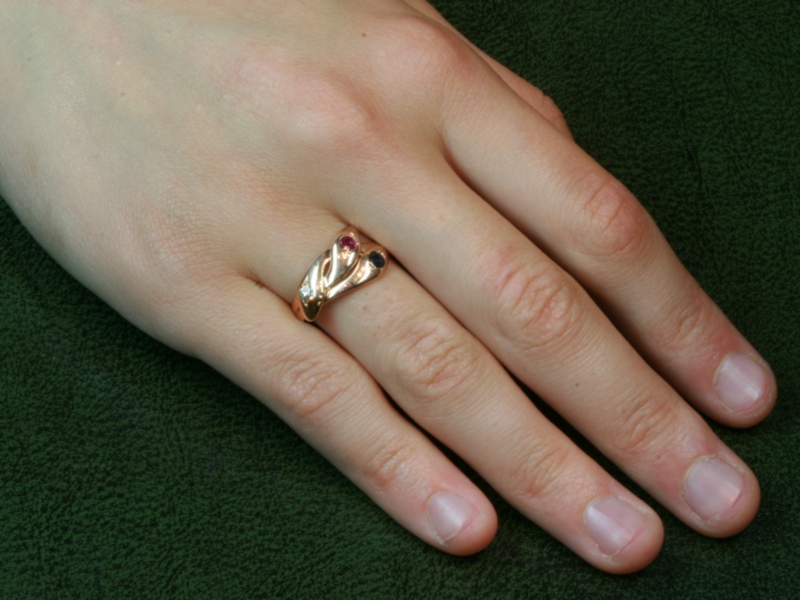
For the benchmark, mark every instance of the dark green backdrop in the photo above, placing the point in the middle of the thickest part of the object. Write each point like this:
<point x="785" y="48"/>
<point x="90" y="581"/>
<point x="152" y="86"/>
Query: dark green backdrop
<point x="127" y="470"/>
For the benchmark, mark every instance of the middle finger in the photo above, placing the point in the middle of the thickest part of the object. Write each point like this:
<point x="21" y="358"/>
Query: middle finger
<point x="449" y="384"/>
<point x="546" y="329"/>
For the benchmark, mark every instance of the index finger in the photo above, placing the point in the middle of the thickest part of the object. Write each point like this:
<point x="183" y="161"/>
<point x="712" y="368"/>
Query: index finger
<point x="588" y="222"/>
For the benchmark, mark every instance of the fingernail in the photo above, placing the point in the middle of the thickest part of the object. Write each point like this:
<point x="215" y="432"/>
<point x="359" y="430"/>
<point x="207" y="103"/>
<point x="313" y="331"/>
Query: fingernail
<point x="740" y="381"/>
<point x="448" y="514"/>
<point x="612" y="523"/>
<point x="711" y="487"/>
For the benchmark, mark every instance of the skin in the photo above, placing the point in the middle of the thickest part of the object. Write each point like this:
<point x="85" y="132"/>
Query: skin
<point x="187" y="161"/>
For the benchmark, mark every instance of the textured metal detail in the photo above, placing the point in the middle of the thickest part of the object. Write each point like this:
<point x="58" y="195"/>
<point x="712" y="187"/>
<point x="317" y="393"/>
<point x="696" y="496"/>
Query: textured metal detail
<point x="341" y="269"/>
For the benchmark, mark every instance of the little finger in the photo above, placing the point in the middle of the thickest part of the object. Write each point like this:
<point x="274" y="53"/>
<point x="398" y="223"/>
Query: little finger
<point x="250" y="335"/>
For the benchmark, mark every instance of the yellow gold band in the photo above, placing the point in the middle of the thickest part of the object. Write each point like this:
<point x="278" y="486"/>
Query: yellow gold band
<point x="347" y="265"/>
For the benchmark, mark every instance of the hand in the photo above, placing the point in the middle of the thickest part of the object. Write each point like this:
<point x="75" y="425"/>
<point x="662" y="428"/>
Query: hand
<point x="187" y="162"/>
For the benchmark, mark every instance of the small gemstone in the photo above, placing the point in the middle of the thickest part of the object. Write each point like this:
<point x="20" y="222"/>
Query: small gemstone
<point x="348" y="242"/>
<point x="377" y="260"/>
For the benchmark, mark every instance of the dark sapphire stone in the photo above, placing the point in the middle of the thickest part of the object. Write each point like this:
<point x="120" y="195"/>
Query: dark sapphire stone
<point x="377" y="260"/>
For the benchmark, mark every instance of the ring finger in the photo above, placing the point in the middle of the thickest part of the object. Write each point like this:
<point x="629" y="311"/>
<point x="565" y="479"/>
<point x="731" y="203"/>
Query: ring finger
<point x="547" y="330"/>
<point x="328" y="399"/>
<point x="456" y="390"/>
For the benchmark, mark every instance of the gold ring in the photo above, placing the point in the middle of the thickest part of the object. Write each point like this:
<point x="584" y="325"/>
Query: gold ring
<point x="347" y="265"/>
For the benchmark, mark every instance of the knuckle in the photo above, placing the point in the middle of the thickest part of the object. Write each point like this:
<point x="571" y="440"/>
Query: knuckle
<point x="645" y="426"/>
<point x="176" y="246"/>
<point x="391" y="462"/>
<point x="535" y="97"/>
<point x="308" y="107"/>
<point x="617" y="225"/>
<point x="687" y="322"/>
<point x="338" y="120"/>
<point x="543" y="476"/>
<point x="537" y="306"/>
<point x="171" y="253"/>
<point x="550" y="110"/>
<point x="434" y="358"/>
<point x="313" y="387"/>
<point x="427" y="53"/>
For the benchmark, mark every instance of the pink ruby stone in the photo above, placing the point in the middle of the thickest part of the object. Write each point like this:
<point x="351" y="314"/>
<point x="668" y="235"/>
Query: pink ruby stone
<point x="348" y="242"/>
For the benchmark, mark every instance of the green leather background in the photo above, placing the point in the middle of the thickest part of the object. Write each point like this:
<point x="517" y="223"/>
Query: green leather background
<point x="127" y="470"/>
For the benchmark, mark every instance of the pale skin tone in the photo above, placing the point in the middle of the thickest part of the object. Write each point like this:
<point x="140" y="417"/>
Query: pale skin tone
<point x="187" y="161"/>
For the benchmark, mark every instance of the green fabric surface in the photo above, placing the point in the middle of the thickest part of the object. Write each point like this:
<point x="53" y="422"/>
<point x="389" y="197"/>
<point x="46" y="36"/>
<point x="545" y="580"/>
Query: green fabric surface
<point x="128" y="470"/>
